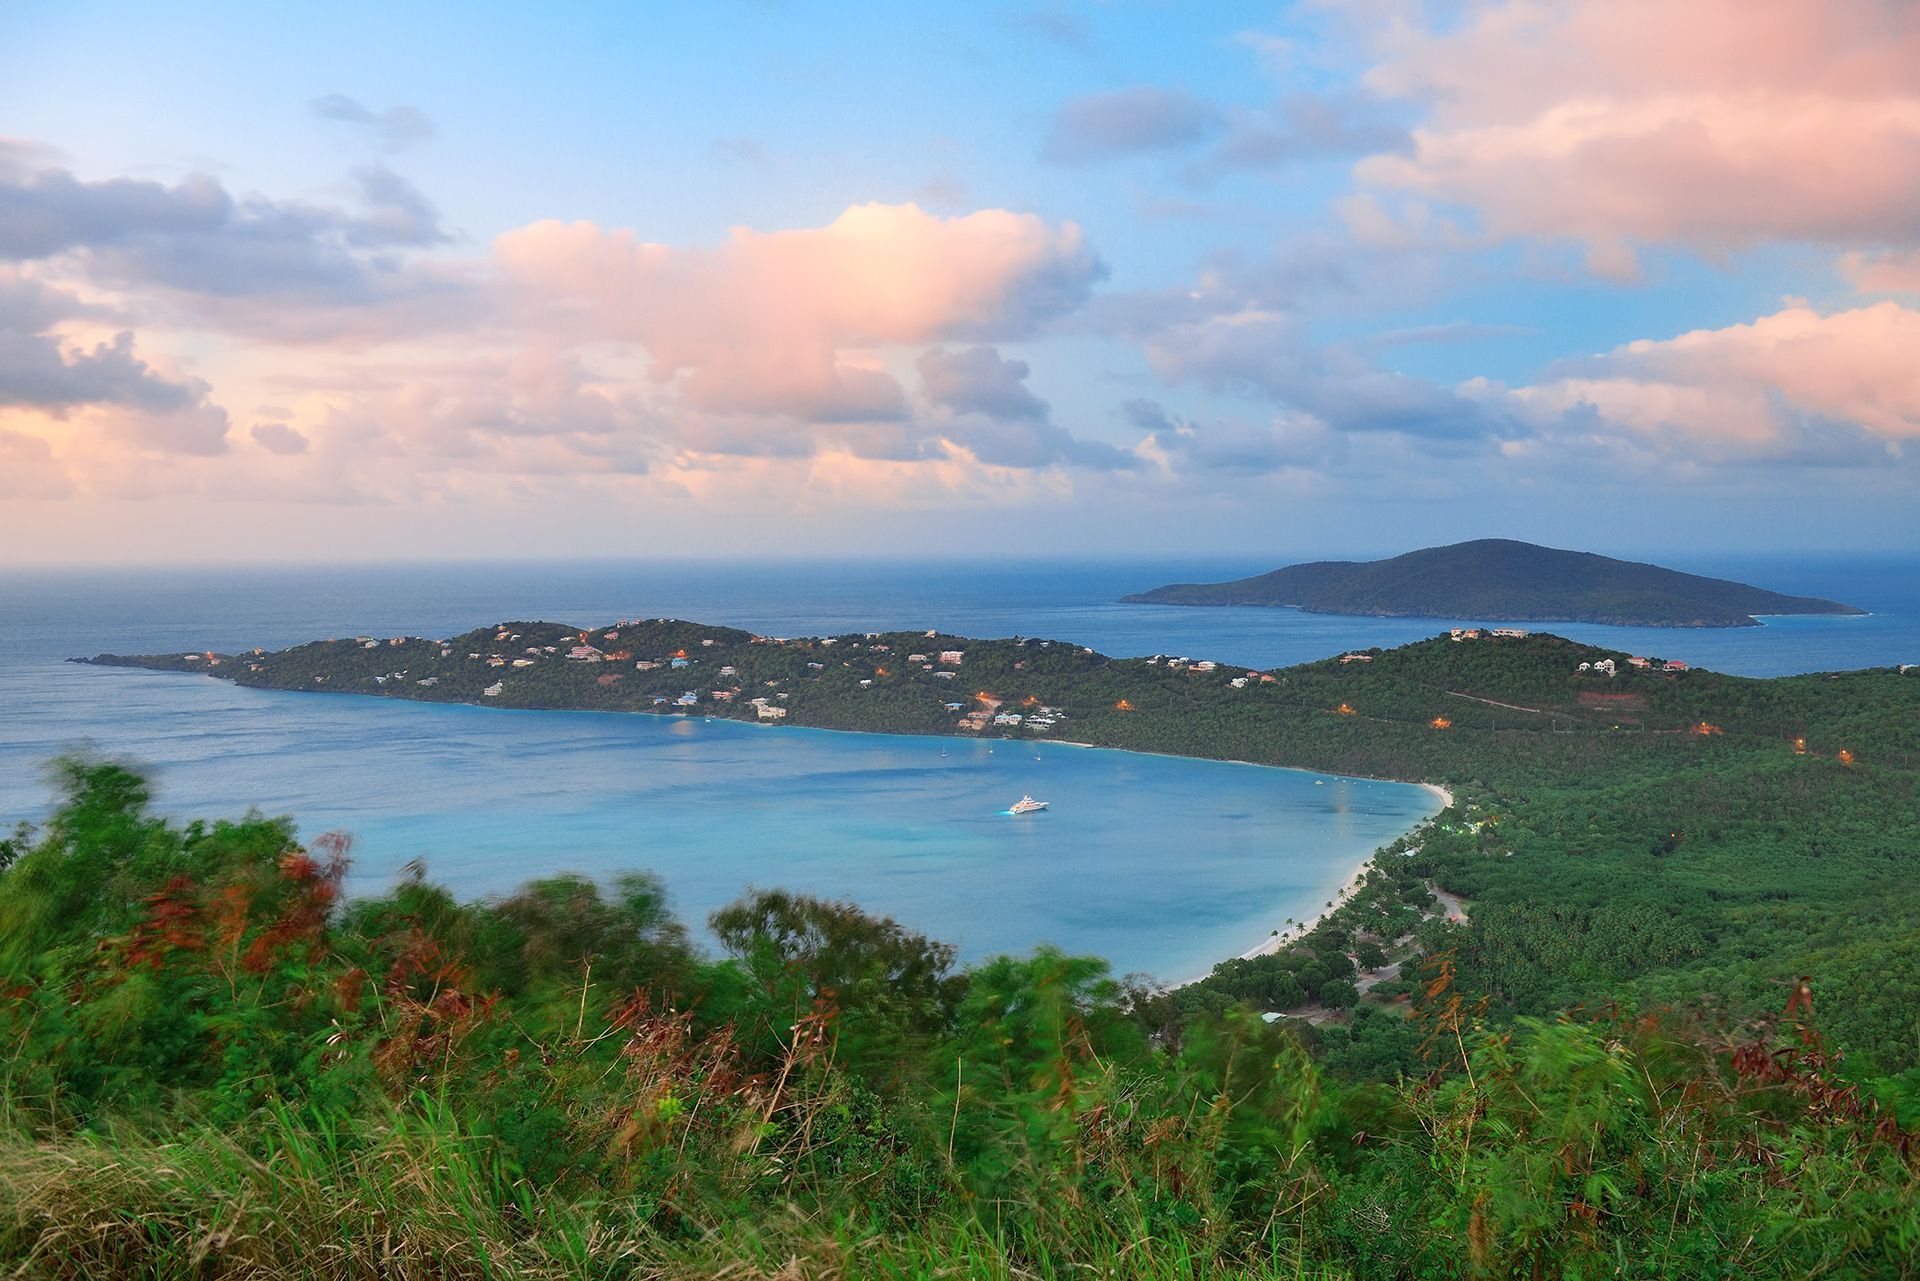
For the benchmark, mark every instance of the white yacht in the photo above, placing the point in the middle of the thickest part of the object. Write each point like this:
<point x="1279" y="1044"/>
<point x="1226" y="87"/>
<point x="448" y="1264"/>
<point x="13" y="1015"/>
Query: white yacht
<point x="1027" y="805"/>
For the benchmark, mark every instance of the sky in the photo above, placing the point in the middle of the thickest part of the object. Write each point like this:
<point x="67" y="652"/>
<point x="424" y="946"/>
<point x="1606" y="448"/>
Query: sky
<point x="1058" y="277"/>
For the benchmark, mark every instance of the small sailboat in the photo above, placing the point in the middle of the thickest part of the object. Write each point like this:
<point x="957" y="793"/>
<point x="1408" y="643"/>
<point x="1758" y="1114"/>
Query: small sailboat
<point x="1027" y="805"/>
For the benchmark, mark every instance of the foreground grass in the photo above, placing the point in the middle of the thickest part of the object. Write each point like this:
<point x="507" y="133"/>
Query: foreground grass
<point x="421" y="1202"/>
<point x="214" y="1068"/>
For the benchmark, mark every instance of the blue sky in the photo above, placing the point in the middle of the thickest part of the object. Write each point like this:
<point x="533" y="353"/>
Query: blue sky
<point x="1100" y="276"/>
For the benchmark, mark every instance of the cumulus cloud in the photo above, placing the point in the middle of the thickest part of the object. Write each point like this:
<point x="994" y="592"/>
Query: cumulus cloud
<point x="984" y="407"/>
<point x="1300" y="127"/>
<point x="1030" y="446"/>
<point x="393" y="129"/>
<point x="41" y="371"/>
<point x="45" y="210"/>
<point x="280" y="251"/>
<point x="1884" y="273"/>
<point x="777" y="322"/>
<point x="396" y="213"/>
<point x="279" y="438"/>
<point x="198" y="429"/>
<point x="1270" y="355"/>
<point x="251" y="263"/>
<point x="1715" y="123"/>
<point x="586" y="352"/>
<point x="1123" y="122"/>
<point x="1305" y="127"/>
<point x="28" y="468"/>
<point x="979" y="380"/>
<point x="1288" y="442"/>
<point x="1798" y="385"/>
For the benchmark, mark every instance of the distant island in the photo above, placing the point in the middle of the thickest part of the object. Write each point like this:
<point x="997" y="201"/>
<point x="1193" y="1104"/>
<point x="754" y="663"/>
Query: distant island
<point x="1501" y="580"/>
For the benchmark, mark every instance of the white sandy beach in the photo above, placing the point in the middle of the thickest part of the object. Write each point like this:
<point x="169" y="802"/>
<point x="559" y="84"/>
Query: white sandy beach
<point x="1274" y="942"/>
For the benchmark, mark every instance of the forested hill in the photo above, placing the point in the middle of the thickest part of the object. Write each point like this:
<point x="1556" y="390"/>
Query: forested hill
<point x="1491" y="709"/>
<point x="1501" y="580"/>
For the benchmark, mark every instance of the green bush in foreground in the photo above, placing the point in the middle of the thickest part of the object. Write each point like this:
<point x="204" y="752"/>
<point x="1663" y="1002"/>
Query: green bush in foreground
<point x="215" y="1067"/>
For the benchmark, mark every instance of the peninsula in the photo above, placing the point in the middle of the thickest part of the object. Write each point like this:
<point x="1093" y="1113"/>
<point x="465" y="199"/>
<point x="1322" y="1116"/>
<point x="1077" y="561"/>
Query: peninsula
<point x="1501" y="580"/>
<point x="1492" y="707"/>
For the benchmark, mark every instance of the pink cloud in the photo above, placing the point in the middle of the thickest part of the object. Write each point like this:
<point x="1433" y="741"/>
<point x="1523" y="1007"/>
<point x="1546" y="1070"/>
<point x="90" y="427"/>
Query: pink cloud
<point x="28" y="468"/>
<point x="1820" y="387"/>
<point x="198" y="430"/>
<point x="1888" y="273"/>
<point x="569" y="350"/>
<point x="773" y="322"/>
<point x="1714" y="123"/>
<point x="278" y="438"/>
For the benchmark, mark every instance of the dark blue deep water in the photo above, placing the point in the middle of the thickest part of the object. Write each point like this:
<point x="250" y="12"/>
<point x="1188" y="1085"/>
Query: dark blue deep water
<point x="1159" y="864"/>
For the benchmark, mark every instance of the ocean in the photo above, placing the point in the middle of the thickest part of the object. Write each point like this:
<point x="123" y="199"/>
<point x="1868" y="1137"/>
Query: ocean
<point x="1160" y="865"/>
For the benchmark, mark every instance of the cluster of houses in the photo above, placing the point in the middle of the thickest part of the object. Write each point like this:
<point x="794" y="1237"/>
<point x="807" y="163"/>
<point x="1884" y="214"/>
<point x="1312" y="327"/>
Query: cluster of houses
<point x="601" y="647"/>
<point x="1608" y="668"/>
<point x="1035" y="714"/>
<point x="1484" y="633"/>
<point x="1175" y="663"/>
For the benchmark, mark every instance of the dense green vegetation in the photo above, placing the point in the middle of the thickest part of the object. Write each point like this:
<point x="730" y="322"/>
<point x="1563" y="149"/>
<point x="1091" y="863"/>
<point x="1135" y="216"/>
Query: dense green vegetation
<point x="1564" y="1029"/>
<point x="1502" y="580"/>
<point x="216" y="1067"/>
<point x="1647" y="834"/>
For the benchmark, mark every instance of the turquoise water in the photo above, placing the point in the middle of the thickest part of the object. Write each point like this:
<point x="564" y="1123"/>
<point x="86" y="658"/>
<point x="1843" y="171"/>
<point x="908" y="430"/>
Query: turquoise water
<point x="1158" y="864"/>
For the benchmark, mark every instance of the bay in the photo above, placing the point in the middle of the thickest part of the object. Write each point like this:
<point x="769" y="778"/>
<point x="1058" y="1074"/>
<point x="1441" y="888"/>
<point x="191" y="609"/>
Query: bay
<point x="1157" y="863"/>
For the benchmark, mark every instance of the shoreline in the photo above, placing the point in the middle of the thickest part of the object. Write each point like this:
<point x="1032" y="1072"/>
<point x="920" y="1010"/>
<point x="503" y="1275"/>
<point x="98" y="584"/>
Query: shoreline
<point x="1439" y="790"/>
<point x="1300" y="929"/>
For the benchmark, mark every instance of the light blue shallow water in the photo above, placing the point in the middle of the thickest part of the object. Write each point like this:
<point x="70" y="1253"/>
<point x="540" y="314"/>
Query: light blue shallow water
<point x="1159" y="864"/>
